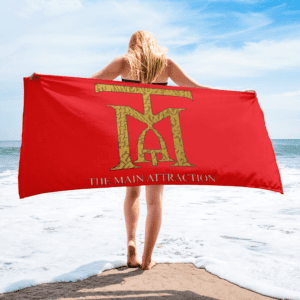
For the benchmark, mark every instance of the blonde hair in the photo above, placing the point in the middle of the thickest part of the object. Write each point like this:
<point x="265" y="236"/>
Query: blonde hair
<point x="146" y="58"/>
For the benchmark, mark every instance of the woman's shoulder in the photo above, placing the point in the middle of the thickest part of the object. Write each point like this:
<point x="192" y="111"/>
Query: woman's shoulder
<point x="170" y="62"/>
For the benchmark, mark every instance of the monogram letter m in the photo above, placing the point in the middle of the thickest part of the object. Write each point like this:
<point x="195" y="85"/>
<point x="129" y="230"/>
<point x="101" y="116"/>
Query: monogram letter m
<point x="149" y="119"/>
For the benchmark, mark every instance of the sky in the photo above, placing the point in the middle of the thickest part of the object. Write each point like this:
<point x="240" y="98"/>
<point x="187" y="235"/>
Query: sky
<point x="234" y="45"/>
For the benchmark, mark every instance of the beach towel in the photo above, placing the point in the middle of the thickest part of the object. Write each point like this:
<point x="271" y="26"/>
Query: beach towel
<point x="84" y="133"/>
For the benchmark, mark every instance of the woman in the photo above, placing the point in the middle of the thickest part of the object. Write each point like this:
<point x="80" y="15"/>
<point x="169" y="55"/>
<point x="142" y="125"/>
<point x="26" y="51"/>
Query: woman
<point x="145" y="62"/>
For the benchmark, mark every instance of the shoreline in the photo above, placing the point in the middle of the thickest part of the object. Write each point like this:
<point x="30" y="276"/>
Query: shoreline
<point x="164" y="281"/>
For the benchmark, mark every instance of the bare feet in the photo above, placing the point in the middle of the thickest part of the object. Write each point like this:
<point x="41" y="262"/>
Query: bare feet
<point x="148" y="266"/>
<point x="132" y="258"/>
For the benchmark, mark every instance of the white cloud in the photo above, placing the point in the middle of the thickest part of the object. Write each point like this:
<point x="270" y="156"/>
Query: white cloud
<point x="282" y="101"/>
<point x="51" y="7"/>
<point x="287" y="94"/>
<point x="292" y="12"/>
<point x="72" y="40"/>
<point x="253" y="20"/>
<point x="76" y="42"/>
<point x="252" y="60"/>
<point x="245" y="24"/>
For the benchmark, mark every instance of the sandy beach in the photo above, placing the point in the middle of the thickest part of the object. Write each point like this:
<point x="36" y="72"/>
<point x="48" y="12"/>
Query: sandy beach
<point x="164" y="281"/>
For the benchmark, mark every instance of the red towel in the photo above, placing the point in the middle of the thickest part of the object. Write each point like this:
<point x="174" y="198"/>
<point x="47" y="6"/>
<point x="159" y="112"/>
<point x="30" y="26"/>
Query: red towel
<point x="82" y="133"/>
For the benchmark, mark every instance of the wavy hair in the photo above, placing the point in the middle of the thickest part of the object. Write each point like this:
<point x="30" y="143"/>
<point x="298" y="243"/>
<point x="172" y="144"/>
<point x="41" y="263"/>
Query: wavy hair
<point x="146" y="58"/>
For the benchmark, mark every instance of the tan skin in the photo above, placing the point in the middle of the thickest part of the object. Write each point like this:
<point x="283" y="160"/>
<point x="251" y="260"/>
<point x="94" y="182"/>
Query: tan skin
<point x="154" y="193"/>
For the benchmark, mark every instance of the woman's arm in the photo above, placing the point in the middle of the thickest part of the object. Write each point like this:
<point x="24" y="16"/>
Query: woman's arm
<point x="112" y="70"/>
<point x="180" y="78"/>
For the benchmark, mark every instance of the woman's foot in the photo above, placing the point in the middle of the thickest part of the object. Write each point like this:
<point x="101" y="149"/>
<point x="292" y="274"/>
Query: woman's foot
<point x="132" y="258"/>
<point x="148" y="266"/>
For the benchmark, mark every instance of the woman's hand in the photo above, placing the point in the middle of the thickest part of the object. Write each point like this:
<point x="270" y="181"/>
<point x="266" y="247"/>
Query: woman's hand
<point x="251" y="91"/>
<point x="31" y="77"/>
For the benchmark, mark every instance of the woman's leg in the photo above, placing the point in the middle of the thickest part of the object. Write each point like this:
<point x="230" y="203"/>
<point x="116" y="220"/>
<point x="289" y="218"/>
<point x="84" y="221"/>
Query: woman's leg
<point x="154" y="196"/>
<point x="131" y="212"/>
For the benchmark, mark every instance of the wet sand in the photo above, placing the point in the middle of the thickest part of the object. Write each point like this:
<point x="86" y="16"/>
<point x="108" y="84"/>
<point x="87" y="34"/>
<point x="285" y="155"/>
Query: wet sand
<point x="164" y="281"/>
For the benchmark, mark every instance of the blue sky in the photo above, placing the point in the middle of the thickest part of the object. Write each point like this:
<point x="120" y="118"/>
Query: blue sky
<point x="234" y="45"/>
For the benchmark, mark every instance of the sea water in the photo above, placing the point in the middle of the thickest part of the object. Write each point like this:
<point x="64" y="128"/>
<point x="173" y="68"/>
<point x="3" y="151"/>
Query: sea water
<point x="250" y="237"/>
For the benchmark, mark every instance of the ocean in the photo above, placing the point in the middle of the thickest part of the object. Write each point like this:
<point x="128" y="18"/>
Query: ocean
<point x="250" y="237"/>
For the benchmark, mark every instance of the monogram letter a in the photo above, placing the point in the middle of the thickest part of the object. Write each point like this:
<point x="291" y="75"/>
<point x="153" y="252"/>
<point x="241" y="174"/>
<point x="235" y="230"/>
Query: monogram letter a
<point x="149" y="119"/>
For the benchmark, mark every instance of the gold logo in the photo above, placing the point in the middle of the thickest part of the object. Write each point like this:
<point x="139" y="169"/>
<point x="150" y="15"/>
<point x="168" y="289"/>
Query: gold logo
<point x="149" y="119"/>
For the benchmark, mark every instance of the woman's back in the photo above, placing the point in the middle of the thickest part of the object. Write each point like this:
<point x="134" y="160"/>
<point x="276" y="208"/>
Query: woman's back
<point x="146" y="62"/>
<point x="162" y="78"/>
<point x="172" y="71"/>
